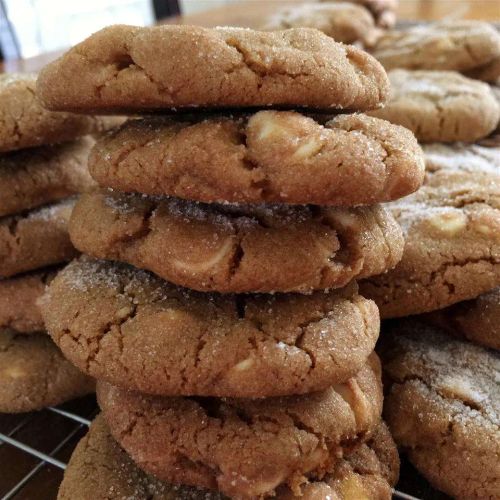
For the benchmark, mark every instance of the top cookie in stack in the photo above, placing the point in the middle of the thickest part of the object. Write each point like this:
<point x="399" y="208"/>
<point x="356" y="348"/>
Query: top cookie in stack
<point x="245" y="156"/>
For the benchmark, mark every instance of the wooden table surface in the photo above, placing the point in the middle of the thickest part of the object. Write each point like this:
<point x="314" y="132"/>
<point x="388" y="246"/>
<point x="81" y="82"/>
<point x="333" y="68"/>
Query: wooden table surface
<point x="251" y="12"/>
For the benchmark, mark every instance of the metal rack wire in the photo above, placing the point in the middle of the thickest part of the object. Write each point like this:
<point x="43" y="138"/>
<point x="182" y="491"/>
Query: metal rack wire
<point x="48" y="458"/>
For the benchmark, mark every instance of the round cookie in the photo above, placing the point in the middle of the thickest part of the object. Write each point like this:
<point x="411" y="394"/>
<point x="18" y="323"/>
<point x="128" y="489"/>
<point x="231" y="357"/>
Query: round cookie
<point x="99" y="468"/>
<point x="129" y="68"/>
<point x="443" y="408"/>
<point x="19" y="310"/>
<point x="36" y="239"/>
<point x="237" y="248"/>
<point x="446" y="45"/>
<point x="343" y="21"/>
<point x="25" y="123"/>
<point x="452" y="248"/>
<point x="34" y="374"/>
<point x="34" y="177"/>
<point x="244" y="447"/>
<point x="441" y="106"/>
<point x="109" y="318"/>
<point x="476" y="320"/>
<point x="270" y="156"/>
<point x="384" y="11"/>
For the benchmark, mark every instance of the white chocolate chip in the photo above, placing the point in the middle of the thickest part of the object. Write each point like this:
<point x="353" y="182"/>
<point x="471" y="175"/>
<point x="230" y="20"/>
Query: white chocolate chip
<point x="449" y="223"/>
<point x="210" y="262"/>
<point x="244" y="365"/>
<point x="14" y="372"/>
<point x="308" y="149"/>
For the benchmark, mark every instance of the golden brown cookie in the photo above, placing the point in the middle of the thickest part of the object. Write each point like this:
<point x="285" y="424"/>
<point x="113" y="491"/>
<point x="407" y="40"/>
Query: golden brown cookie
<point x="452" y="248"/>
<point x="271" y="156"/>
<point x="34" y="374"/>
<point x="37" y="176"/>
<point x="110" y="318"/>
<point x="35" y="239"/>
<point x="242" y="447"/>
<point x="100" y="468"/>
<point x="25" y="123"/>
<point x="19" y="309"/>
<point x="443" y="408"/>
<point x="384" y="11"/>
<point x="446" y="45"/>
<point x="441" y="106"/>
<point x="343" y="21"/>
<point x="237" y="248"/>
<point x="477" y="320"/>
<point x="128" y="68"/>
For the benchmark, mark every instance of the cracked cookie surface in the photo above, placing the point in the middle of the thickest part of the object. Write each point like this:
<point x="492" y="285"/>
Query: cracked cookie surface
<point x="440" y="106"/>
<point x="476" y="320"/>
<point x="35" y="239"/>
<point x="34" y="177"/>
<point x="452" y="233"/>
<point x="128" y="68"/>
<point x="19" y="310"/>
<point x="237" y="248"/>
<point x="443" y="408"/>
<point x="34" y="374"/>
<point x="343" y="21"/>
<point x="25" y="123"/>
<point x="100" y="468"/>
<point x="243" y="447"/>
<point x="137" y="331"/>
<point x="270" y="156"/>
<point x="447" y="45"/>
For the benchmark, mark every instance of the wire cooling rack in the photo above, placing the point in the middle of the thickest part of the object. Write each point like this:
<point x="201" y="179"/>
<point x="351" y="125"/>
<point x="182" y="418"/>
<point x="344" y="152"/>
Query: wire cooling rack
<point x="35" y="449"/>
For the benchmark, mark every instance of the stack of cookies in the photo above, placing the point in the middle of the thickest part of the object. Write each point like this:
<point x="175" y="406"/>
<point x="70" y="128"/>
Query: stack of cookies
<point x="40" y="169"/>
<point x="216" y="304"/>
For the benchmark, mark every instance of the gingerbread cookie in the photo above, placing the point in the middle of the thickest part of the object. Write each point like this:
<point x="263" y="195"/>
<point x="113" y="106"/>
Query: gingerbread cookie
<point x="36" y="239"/>
<point x="34" y="374"/>
<point x="108" y="318"/>
<point x="25" y="123"/>
<point x="244" y="447"/>
<point x="99" y="468"/>
<point x="128" y="68"/>
<point x="476" y="320"/>
<point x="452" y="248"/>
<point x="443" y="408"/>
<point x="441" y="106"/>
<point x="237" y="248"/>
<point x="34" y="177"/>
<point x="384" y="11"/>
<point x="447" y="45"/>
<point x="19" y="310"/>
<point x="271" y="156"/>
<point x="344" y="22"/>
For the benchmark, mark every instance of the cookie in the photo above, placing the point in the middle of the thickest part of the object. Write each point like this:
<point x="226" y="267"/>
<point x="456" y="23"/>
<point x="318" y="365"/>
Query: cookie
<point x="441" y="106"/>
<point x="446" y="45"/>
<point x="237" y="248"/>
<point x="443" y="408"/>
<point x="19" y="310"/>
<point x="36" y="239"/>
<point x="244" y="448"/>
<point x="99" y="468"/>
<point x="476" y="320"/>
<point x="344" y="22"/>
<point x="129" y="68"/>
<point x="270" y="156"/>
<point x="34" y="177"/>
<point x="452" y="248"/>
<point x="464" y="157"/>
<point x="109" y="318"/>
<point x="34" y="374"/>
<point x="384" y="11"/>
<point x="25" y="123"/>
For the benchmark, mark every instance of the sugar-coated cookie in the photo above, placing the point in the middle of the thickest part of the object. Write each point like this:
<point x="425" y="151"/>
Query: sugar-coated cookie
<point x="129" y="68"/>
